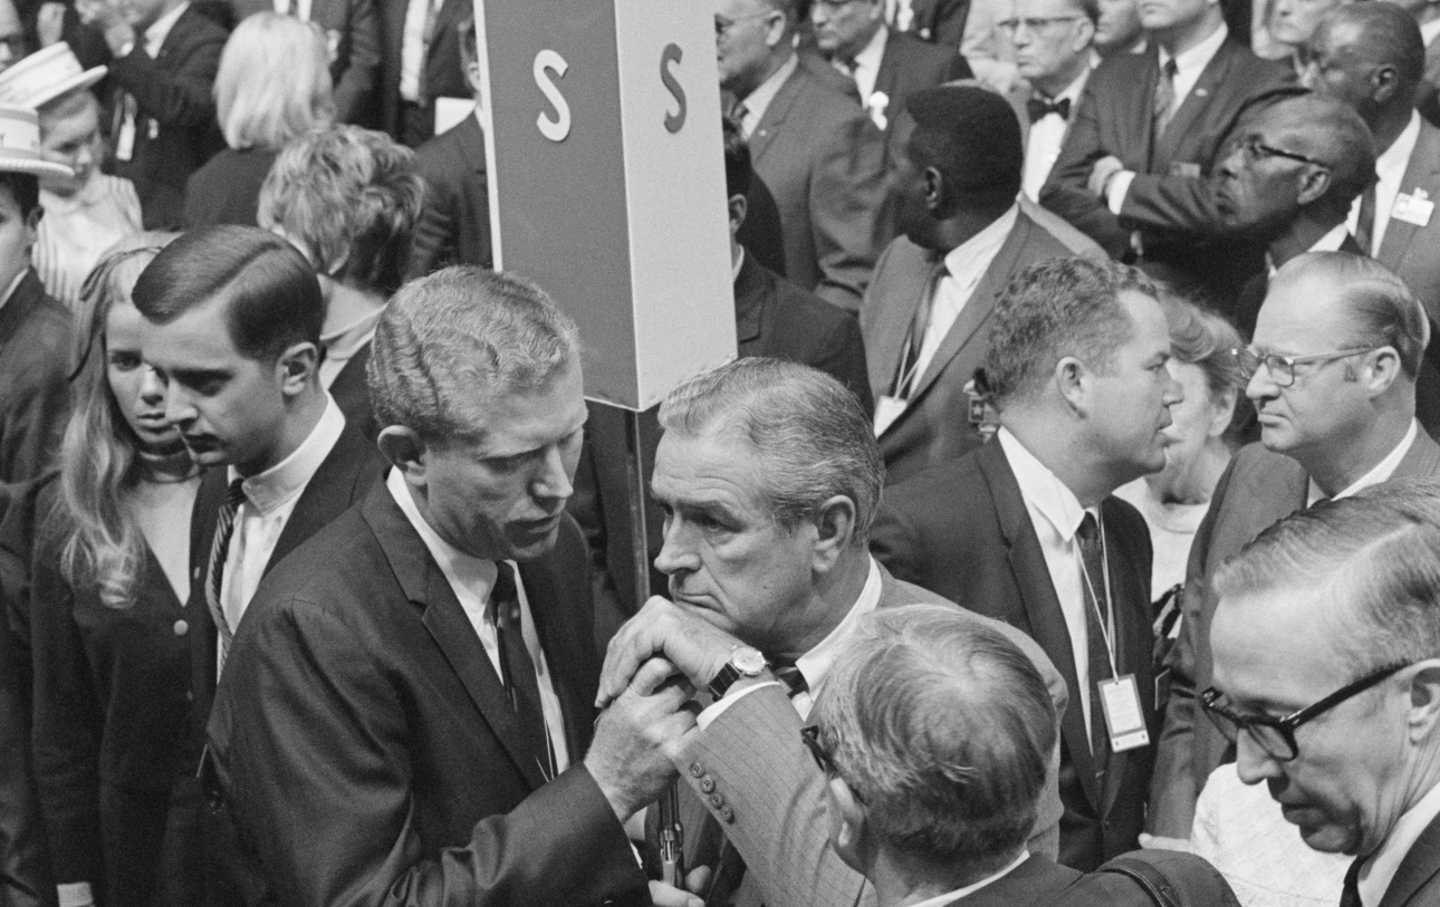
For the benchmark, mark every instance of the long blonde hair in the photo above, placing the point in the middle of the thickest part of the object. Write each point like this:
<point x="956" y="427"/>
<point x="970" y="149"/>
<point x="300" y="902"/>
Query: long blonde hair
<point x="97" y="456"/>
<point x="273" y="85"/>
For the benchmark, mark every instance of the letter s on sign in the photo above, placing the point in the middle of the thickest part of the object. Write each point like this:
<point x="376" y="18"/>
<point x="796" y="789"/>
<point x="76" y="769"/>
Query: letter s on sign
<point x="674" y="122"/>
<point x="558" y="128"/>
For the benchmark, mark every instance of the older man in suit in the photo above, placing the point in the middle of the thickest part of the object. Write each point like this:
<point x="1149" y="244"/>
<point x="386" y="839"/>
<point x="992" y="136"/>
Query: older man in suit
<point x="352" y="33"/>
<point x="1025" y="529"/>
<point x="1149" y="130"/>
<point x="769" y="566"/>
<point x="1332" y="618"/>
<point x="408" y="717"/>
<point x="1337" y="347"/>
<point x="820" y="156"/>
<point x="1051" y="40"/>
<point x="955" y="173"/>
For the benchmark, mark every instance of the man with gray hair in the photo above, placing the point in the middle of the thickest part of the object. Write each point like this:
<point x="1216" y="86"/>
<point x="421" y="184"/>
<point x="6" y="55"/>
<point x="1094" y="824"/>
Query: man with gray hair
<point x="407" y="717"/>
<point x="934" y="734"/>
<point x="1338" y="345"/>
<point x="1331" y="619"/>
<point x="770" y="476"/>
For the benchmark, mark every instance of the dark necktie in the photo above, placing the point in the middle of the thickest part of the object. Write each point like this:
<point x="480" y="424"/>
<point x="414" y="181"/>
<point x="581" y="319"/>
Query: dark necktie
<point x="518" y="671"/>
<point x="1365" y="226"/>
<point x="215" y="570"/>
<point x="1040" y="108"/>
<point x="906" y="376"/>
<point x="1165" y="96"/>
<point x="1350" y="893"/>
<point x="792" y="678"/>
<point x="1097" y="603"/>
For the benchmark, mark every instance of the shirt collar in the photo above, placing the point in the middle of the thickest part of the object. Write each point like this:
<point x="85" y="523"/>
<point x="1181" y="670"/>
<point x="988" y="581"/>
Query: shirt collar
<point x="1430" y="31"/>
<point x="14" y="285"/>
<point x="1378" y="870"/>
<point x="1333" y="239"/>
<point x="815" y="664"/>
<point x="1380" y="472"/>
<point x="461" y="570"/>
<point x="1070" y="92"/>
<point x="159" y="30"/>
<point x="873" y="52"/>
<point x="980" y="247"/>
<point x="1198" y="57"/>
<point x="951" y="897"/>
<point x="1042" y="489"/>
<point x="346" y="341"/>
<point x="280" y="483"/>
<point x="1394" y="158"/>
<point x="758" y="100"/>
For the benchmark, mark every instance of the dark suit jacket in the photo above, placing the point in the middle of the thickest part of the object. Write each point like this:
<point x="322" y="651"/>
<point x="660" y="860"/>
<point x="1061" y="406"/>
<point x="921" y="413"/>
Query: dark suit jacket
<point x="117" y="732"/>
<point x="175" y="128"/>
<point x="962" y="530"/>
<point x="936" y="427"/>
<point x="352" y="394"/>
<point x="910" y="64"/>
<point x="227" y="189"/>
<point x="1258" y="489"/>
<point x="824" y="162"/>
<point x="368" y="750"/>
<point x="941" y="21"/>
<point x="443" y="75"/>
<point x="34" y="395"/>
<point x="1034" y="882"/>
<point x="1168" y="202"/>
<point x="455" y="225"/>
<point x="352" y="34"/>
<point x="1417" y="881"/>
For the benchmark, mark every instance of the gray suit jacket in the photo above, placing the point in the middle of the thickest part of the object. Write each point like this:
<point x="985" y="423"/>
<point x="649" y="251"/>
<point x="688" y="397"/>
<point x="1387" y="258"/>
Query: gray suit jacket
<point x="1410" y="250"/>
<point x="770" y="798"/>
<point x="1259" y="489"/>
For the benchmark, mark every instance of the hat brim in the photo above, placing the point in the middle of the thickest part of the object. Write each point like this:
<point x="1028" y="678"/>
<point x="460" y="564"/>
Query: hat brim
<point x="84" y="80"/>
<point x="33" y="166"/>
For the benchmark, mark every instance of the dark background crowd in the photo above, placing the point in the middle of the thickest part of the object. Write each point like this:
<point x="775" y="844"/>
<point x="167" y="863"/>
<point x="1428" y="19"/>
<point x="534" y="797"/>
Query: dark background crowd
<point x="1071" y="480"/>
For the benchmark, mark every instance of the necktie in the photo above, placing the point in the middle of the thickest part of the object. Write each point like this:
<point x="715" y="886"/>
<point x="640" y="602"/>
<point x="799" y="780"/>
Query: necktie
<point x="1039" y="108"/>
<point x="215" y="570"/>
<point x="1365" y="226"/>
<point x="1350" y="893"/>
<point x="1097" y="603"/>
<point x="908" y="372"/>
<point x="1165" y="96"/>
<point x="792" y="678"/>
<point x="518" y="671"/>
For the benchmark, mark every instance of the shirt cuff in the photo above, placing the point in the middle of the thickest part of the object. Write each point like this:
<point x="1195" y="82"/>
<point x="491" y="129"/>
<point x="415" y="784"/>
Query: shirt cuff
<point x="74" y="894"/>
<point x="718" y="707"/>
<point x="1115" y="192"/>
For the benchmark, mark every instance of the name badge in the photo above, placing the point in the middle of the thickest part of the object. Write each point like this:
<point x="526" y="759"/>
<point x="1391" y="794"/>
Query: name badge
<point x="887" y="410"/>
<point x="1415" y="208"/>
<point x="125" y="140"/>
<point x="1185" y="168"/>
<point x="1124" y="719"/>
<point x="152" y="129"/>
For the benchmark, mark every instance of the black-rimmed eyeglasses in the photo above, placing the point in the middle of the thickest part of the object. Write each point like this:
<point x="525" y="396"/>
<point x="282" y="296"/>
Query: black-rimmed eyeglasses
<point x="1033" y="24"/>
<point x="1255" y="149"/>
<point x="1276" y="736"/>
<point x="1282" y="368"/>
<point x="810" y="736"/>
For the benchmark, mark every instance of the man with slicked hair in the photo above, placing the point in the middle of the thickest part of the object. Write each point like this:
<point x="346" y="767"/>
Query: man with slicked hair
<point x="407" y="716"/>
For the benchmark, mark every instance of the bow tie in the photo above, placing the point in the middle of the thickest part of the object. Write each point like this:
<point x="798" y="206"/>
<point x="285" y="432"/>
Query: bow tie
<point x="1039" y="108"/>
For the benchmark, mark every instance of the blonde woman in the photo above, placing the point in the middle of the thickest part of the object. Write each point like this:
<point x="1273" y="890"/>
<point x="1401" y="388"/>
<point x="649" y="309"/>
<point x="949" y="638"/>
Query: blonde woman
<point x="273" y="87"/>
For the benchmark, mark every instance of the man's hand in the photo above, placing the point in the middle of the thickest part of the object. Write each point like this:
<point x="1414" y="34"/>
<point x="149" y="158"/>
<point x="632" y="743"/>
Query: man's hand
<point x="1100" y="174"/>
<point x="698" y="649"/>
<point x="669" y="896"/>
<point x="637" y="736"/>
<point x="50" y="23"/>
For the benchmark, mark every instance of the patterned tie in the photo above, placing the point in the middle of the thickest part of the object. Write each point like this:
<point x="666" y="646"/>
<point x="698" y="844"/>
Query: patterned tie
<point x="518" y="671"/>
<point x="1092" y="554"/>
<point x="215" y="572"/>
<point x="907" y="374"/>
<point x="1165" y="96"/>
<point x="1350" y="893"/>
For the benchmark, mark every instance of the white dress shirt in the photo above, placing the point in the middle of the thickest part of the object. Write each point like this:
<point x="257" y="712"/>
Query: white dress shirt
<point x="1046" y="135"/>
<point x="1378" y="870"/>
<point x="159" y="30"/>
<point x="867" y="65"/>
<point x="1380" y="472"/>
<point x="951" y="897"/>
<point x="270" y="498"/>
<point x="1055" y="513"/>
<point x="472" y="579"/>
<point x="757" y="101"/>
<point x="1390" y="169"/>
<point x="412" y="46"/>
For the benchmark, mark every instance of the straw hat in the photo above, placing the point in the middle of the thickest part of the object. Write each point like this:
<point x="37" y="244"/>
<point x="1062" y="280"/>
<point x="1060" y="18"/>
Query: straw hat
<point x="20" y="144"/>
<point x="44" y="76"/>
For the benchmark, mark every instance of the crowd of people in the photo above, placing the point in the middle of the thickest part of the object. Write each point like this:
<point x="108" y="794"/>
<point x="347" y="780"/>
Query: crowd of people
<point x="1075" y="475"/>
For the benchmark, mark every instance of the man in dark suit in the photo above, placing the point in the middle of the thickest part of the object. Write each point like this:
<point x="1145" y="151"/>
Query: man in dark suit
<point x="1051" y="40"/>
<point x="820" y="156"/>
<point x="770" y="476"/>
<point x="1149" y="130"/>
<point x="455" y="227"/>
<point x="352" y="34"/>
<point x="163" y="59"/>
<point x="938" y="21"/>
<point x="420" y="63"/>
<point x="1024" y="529"/>
<point x="955" y="172"/>
<point x="407" y="718"/>
<point x="1330" y="424"/>
<point x="882" y="65"/>
<point x="1332" y="618"/>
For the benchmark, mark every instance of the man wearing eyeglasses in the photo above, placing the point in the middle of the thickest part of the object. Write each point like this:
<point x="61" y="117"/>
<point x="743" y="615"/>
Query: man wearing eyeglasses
<point x="1327" y="681"/>
<point x="1332" y="371"/>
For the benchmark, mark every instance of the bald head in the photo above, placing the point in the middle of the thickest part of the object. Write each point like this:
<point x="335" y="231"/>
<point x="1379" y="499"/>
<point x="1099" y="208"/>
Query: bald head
<point x="1368" y="55"/>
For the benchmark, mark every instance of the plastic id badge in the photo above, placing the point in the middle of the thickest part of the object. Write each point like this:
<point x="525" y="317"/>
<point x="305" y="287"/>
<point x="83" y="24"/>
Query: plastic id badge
<point x="1124" y="718"/>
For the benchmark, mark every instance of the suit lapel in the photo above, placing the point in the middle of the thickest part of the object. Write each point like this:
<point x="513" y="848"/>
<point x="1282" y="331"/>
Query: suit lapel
<point x="887" y="78"/>
<point x="1422" y="171"/>
<point x="1420" y="866"/>
<point x="775" y="114"/>
<point x="1211" y="80"/>
<point x="328" y="494"/>
<point x="426" y="587"/>
<point x="1037" y="594"/>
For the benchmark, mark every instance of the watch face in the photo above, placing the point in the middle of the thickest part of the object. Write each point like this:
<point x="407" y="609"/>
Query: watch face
<point x="748" y="661"/>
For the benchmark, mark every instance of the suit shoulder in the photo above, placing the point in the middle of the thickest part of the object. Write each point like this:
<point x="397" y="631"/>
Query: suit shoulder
<point x="1040" y="243"/>
<point x="818" y="100"/>
<point x="1256" y="459"/>
<point x="938" y="482"/>
<point x="194" y="28"/>
<point x="1117" y="70"/>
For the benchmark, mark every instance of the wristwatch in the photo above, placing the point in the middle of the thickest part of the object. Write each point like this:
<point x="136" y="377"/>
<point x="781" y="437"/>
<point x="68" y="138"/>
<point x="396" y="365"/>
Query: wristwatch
<point x="744" y="662"/>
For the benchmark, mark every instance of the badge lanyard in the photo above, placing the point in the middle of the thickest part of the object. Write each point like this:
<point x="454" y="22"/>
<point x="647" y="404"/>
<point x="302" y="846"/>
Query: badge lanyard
<point x="1119" y="695"/>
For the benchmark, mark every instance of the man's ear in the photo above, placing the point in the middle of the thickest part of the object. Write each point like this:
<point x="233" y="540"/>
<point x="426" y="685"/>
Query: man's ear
<point x="297" y="365"/>
<point x="1313" y="185"/>
<point x="848" y="830"/>
<point x="1424" y="712"/>
<point x="738" y="206"/>
<point x="835" y="530"/>
<point x="1072" y="379"/>
<point x="1384" y="82"/>
<point x="1381" y="370"/>
<point x="405" y="450"/>
<point x="935" y="190"/>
